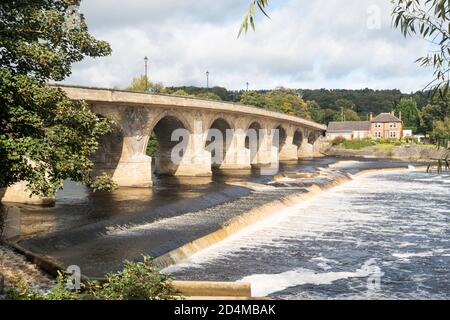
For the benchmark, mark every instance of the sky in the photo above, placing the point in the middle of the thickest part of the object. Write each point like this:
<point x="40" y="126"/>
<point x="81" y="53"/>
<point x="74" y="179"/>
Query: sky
<point x="333" y="44"/>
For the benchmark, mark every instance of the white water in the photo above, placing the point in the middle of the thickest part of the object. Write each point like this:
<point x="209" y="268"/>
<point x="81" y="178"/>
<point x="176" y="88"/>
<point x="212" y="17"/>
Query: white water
<point x="396" y="221"/>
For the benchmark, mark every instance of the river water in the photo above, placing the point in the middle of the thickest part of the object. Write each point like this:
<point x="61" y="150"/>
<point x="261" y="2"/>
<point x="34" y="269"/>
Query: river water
<point x="383" y="235"/>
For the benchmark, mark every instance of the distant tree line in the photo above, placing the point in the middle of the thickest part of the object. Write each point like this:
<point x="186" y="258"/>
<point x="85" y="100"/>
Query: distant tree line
<point x="420" y="112"/>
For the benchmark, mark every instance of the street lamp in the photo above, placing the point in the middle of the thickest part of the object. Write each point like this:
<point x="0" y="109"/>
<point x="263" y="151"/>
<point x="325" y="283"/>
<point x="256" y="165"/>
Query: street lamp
<point x="247" y="86"/>
<point x="146" y="77"/>
<point x="207" y="79"/>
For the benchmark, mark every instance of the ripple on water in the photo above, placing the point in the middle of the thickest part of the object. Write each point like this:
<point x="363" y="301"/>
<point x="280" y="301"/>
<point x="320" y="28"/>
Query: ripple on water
<point x="395" y="221"/>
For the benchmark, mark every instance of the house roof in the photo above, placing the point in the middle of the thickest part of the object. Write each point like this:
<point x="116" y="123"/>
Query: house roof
<point x="386" y="117"/>
<point x="349" y="126"/>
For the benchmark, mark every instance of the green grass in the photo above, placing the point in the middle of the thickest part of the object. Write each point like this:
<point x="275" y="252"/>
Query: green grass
<point x="357" y="144"/>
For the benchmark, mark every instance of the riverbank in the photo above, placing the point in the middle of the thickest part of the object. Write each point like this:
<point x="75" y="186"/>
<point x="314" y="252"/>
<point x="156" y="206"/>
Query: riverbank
<point x="177" y="237"/>
<point x="411" y="153"/>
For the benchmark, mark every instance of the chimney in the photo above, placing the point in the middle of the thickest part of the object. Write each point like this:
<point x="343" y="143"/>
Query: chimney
<point x="371" y="117"/>
<point x="400" y="116"/>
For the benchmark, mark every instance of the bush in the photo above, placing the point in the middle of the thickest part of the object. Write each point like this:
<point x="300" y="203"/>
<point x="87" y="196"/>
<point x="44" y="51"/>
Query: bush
<point x="137" y="281"/>
<point x="103" y="183"/>
<point x="338" y="141"/>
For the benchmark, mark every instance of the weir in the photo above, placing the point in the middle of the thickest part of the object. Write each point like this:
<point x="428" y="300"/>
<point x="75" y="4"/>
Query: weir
<point x="175" y="221"/>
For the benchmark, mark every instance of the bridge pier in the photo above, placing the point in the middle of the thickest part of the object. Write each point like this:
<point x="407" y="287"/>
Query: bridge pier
<point x="236" y="155"/>
<point x="18" y="193"/>
<point x="135" y="172"/>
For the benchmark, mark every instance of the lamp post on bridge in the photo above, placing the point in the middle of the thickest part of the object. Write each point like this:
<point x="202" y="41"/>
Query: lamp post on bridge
<point x="146" y="75"/>
<point x="207" y="79"/>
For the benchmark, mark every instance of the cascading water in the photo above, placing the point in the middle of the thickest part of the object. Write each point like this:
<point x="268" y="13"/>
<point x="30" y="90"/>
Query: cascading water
<point x="384" y="235"/>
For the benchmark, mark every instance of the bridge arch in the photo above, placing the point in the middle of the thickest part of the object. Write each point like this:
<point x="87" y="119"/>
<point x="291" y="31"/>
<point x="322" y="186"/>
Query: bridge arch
<point x="160" y="144"/>
<point x="279" y="141"/>
<point x="219" y="139"/>
<point x="298" y="138"/>
<point x="253" y="139"/>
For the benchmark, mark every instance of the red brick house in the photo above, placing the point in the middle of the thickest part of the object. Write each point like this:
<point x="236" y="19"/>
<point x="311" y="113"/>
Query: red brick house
<point x="385" y="125"/>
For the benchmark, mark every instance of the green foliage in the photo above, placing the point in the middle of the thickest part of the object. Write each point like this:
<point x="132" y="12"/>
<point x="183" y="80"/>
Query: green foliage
<point x="410" y="114"/>
<point x="441" y="132"/>
<point x="357" y="144"/>
<point x="44" y="137"/>
<point x="208" y="96"/>
<point x="281" y="100"/>
<point x="365" y="101"/>
<point x="438" y="109"/>
<point x="39" y="39"/>
<point x="346" y="115"/>
<point x="223" y="93"/>
<point x="103" y="183"/>
<point x="142" y="84"/>
<point x="137" y="281"/>
<point x="181" y="93"/>
<point x="428" y="19"/>
<point x="315" y="112"/>
<point x="20" y="289"/>
<point x="338" y="141"/>
<point x="152" y="146"/>
<point x="345" y="104"/>
<point x="388" y="149"/>
<point x="250" y="15"/>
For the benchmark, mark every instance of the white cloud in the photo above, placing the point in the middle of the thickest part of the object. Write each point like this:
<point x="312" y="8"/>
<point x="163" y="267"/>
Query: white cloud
<point x="305" y="44"/>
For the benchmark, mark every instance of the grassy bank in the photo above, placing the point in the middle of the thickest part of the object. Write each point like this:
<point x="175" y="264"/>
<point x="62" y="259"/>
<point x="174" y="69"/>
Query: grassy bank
<point x="383" y="148"/>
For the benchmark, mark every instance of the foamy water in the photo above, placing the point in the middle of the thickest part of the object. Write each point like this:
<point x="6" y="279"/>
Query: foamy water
<point x="390" y="227"/>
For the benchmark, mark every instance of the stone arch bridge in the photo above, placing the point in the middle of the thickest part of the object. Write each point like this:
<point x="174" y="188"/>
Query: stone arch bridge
<point x="122" y="154"/>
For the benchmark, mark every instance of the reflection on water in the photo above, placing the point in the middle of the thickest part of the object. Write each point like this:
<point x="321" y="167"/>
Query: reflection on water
<point x="10" y="223"/>
<point x="393" y="222"/>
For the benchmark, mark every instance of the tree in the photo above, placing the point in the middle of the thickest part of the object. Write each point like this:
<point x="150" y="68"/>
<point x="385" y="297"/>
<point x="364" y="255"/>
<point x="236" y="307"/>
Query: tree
<point x="437" y="109"/>
<point x="441" y="132"/>
<point x="209" y="96"/>
<point x="316" y="113"/>
<point x="410" y="113"/>
<point x="346" y="115"/>
<point x="141" y="83"/>
<point x="346" y="104"/>
<point x="428" y="19"/>
<point x="45" y="138"/>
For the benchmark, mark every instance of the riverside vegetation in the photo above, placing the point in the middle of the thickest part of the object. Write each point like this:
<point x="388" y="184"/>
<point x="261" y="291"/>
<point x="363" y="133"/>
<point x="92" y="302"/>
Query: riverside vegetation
<point x="137" y="281"/>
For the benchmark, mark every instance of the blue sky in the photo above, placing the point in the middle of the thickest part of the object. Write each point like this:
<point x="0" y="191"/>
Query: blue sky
<point x="305" y="44"/>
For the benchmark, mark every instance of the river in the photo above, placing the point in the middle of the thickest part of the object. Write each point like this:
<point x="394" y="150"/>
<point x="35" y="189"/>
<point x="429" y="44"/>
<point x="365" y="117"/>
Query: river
<point x="384" y="235"/>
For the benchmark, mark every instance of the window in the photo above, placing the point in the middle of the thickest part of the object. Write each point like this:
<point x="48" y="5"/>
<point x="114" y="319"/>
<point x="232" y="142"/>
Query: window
<point x="392" y="134"/>
<point x="377" y="134"/>
<point x="393" y="125"/>
<point x="377" y="125"/>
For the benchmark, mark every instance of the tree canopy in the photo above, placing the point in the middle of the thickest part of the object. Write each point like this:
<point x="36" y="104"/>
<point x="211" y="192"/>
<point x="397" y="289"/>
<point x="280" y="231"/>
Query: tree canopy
<point x="45" y="138"/>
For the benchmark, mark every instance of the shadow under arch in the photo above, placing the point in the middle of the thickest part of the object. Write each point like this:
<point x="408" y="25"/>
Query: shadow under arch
<point x="160" y="145"/>
<point x="298" y="138"/>
<point x="313" y="137"/>
<point x="253" y="139"/>
<point x="279" y="140"/>
<point x="218" y="141"/>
